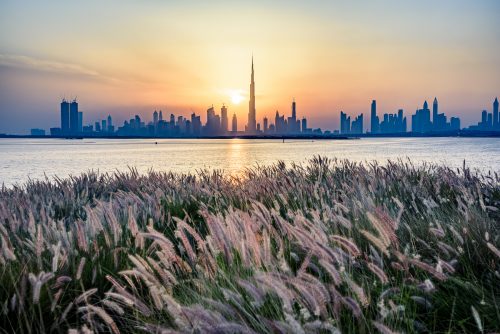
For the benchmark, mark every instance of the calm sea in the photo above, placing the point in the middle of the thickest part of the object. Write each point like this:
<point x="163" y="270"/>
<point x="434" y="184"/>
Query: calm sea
<point x="21" y="159"/>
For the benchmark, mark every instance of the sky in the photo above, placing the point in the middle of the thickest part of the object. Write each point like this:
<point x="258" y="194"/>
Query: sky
<point x="125" y="57"/>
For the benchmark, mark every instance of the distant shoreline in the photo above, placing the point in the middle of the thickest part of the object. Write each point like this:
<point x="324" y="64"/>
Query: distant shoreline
<point x="467" y="134"/>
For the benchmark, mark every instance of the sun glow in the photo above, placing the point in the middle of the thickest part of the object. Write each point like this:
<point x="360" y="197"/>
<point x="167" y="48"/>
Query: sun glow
<point x="236" y="97"/>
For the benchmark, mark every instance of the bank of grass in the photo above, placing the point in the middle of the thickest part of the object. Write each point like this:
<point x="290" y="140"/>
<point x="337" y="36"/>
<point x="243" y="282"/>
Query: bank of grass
<point x="326" y="247"/>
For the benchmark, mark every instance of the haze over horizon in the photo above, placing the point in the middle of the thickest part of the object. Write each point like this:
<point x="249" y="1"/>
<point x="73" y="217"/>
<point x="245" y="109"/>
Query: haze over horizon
<point x="132" y="57"/>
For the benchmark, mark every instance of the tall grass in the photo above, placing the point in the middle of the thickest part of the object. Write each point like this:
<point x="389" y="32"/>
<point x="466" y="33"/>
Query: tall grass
<point x="327" y="247"/>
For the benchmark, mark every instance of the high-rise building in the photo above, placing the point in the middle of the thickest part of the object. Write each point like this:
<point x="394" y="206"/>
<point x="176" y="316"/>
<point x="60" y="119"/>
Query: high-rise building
<point x="73" y="116"/>
<point x="279" y="123"/>
<point x="454" y="123"/>
<point x="266" y="125"/>
<point x="195" y="124"/>
<point x="234" y="125"/>
<point x="374" y="118"/>
<point x="435" y="114"/>
<point x="484" y="117"/>
<point x="393" y="123"/>
<point x="223" y="119"/>
<point x="490" y="121"/>
<point x="357" y="125"/>
<point x="161" y="115"/>
<point x="345" y="123"/>
<point x="111" y="128"/>
<point x="304" y="125"/>
<point x="213" y="122"/>
<point x="421" y="121"/>
<point x="64" y="116"/>
<point x="252" y="123"/>
<point x="496" y="120"/>
<point x="155" y="118"/>
<point x="293" y="125"/>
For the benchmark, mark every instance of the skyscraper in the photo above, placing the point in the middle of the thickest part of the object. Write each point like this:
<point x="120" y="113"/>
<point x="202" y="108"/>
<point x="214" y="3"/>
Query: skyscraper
<point x="304" y="125"/>
<point x="223" y="119"/>
<point x="293" y="125"/>
<point x="421" y="120"/>
<point x="73" y="116"/>
<point x="357" y="125"/>
<point x="155" y="118"/>
<point x="252" y="123"/>
<point x="110" y="124"/>
<point x="234" y="126"/>
<point x="496" y="121"/>
<point x="374" y="118"/>
<point x="64" y="116"/>
<point x="435" y="122"/>
<point x="345" y="123"/>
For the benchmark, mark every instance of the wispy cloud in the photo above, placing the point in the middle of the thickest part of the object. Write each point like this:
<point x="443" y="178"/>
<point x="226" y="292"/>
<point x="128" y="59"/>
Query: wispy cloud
<point x="31" y="63"/>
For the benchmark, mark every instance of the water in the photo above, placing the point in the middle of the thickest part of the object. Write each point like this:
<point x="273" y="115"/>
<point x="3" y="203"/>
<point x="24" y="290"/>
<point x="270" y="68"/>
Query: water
<point x="21" y="159"/>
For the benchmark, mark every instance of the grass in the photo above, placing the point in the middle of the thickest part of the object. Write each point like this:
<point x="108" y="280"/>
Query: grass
<point x="326" y="247"/>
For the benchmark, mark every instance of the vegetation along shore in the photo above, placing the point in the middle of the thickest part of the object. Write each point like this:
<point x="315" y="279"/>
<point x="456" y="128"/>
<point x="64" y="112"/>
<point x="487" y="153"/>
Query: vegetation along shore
<point x="324" y="247"/>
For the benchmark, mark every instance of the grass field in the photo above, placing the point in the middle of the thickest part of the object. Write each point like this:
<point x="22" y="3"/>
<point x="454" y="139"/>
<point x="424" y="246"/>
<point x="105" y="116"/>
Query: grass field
<point x="325" y="247"/>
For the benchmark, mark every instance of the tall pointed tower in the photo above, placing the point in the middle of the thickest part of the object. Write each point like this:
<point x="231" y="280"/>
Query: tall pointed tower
<point x="251" y="127"/>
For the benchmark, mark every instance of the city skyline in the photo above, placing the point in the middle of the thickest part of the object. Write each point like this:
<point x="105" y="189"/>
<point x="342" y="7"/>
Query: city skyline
<point x="139" y="56"/>
<point x="422" y="122"/>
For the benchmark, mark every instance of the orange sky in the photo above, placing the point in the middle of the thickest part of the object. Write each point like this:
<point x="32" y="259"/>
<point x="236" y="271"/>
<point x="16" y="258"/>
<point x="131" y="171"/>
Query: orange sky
<point x="131" y="57"/>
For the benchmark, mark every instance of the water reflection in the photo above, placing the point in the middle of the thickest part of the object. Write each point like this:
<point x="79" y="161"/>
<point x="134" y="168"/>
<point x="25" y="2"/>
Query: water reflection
<point x="23" y="158"/>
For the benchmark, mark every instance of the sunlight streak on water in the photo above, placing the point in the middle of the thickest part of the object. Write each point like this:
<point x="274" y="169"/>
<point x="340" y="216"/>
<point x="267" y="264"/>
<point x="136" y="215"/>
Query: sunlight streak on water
<point x="21" y="159"/>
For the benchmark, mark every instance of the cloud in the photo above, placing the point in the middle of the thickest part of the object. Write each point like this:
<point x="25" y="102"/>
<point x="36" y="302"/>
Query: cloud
<point x="43" y="65"/>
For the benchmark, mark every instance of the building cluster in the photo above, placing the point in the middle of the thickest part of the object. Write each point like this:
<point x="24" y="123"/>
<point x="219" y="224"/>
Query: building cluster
<point x="422" y="122"/>
<point x="397" y="124"/>
<point x="286" y="126"/>
<point x="489" y="121"/>
<point x="71" y="119"/>
<point x="348" y="128"/>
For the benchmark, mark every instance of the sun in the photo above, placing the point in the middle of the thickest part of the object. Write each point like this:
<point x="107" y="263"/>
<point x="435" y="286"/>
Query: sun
<point x="236" y="97"/>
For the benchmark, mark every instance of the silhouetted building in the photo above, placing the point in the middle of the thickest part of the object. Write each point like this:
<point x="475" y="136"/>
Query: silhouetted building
<point x="195" y="124"/>
<point x="213" y="122"/>
<point x="345" y="123"/>
<point x="234" y="125"/>
<point x="357" y="125"/>
<point x="111" y="128"/>
<point x="304" y="125"/>
<point x="279" y="123"/>
<point x="64" y="116"/>
<point x="292" y="124"/>
<point x="496" y="120"/>
<point x="266" y="125"/>
<point x="393" y="123"/>
<point x="374" y="120"/>
<point x="252" y="126"/>
<point x="223" y="119"/>
<point x="435" y="114"/>
<point x="155" y="118"/>
<point x="421" y="121"/>
<point x="73" y="117"/>
<point x="454" y="123"/>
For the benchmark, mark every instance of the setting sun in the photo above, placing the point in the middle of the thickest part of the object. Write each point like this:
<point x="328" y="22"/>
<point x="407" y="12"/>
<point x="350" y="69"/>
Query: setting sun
<point x="236" y="97"/>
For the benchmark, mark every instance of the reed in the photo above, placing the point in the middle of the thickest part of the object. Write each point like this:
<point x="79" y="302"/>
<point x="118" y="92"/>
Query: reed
<point x="324" y="247"/>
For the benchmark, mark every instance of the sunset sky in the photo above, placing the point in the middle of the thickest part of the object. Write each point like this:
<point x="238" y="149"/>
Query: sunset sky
<point x="131" y="57"/>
